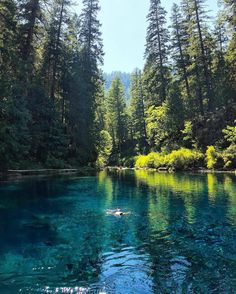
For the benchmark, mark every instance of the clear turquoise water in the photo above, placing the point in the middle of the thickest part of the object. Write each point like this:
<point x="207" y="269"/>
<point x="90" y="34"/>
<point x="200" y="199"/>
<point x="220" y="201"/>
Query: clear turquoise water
<point x="180" y="235"/>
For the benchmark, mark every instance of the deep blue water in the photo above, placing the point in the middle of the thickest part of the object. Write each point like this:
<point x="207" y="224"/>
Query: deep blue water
<point x="179" y="235"/>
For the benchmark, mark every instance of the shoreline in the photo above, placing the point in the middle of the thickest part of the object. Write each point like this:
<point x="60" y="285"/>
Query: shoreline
<point x="85" y="171"/>
<point x="24" y="173"/>
<point x="166" y="170"/>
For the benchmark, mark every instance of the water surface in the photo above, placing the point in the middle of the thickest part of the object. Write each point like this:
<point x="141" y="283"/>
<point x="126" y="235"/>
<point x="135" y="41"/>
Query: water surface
<point x="180" y="235"/>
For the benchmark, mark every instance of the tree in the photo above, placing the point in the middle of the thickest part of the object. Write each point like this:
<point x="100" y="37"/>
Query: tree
<point x="157" y="131"/>
<point x="104" y="148"/>
<point x="116" y="115"/>
<point x="164" y="123"/>
<point x="198" y="9"/>
<point x="195" y="104"/>
<point x="85" y="82"/>
<point x="199" y="53"/>
<point x="90" y="34"/>
<point x="230" y="152"/>
<point x="53" y="47"/>
<point x="137" y="110"/>
<point x="230" y="15"/>
<point x="8" y="52"/>
<point x="14" y="115"/>
<point x="156" y="69"/>
<point x="30" y="15"/>
<point x="179" y="48"/>
<point x="221" y="77"/>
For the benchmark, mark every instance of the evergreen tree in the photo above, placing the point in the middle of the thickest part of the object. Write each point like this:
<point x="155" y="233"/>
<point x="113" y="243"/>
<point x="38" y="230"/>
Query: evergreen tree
<point x="156" y="69"/>
<point x="164" y="123"/>
<point x="90" y="34"/>
<point x="220" y="66"/>
<point x="200" y="59"/>
<point x="14" y="116"/>
<point x="230" y="13"/>
<point x="198" y="10"/>
<point x="8" y="51"/>
<point x="30" y="15"/>
<point x="48" y="137"/>
<point x="179" y="48"/>
<point x="85" y="83"/>
<point x="137" y="109"/>
<point x="53" y="47"/>
<point x="116" y="119"/>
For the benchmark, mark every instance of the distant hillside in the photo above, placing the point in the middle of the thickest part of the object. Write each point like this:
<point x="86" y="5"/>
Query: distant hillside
<point x="125" y="78"/>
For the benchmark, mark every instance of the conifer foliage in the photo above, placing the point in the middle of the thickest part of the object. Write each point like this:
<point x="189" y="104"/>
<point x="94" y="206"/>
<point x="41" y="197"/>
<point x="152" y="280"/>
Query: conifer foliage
<point x="49" y="81"/>
<point x="55" y="111"/>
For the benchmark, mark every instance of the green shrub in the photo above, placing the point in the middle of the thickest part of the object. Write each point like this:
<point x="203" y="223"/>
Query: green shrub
<point x="141" y="161"/>
<point x="154" y="160"/>
<point x="181" y="159"/>
<point x="212" y="157"/>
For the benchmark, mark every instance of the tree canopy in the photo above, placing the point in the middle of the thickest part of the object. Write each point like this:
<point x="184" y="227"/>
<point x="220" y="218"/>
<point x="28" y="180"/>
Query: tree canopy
<point x="56" y="110"/>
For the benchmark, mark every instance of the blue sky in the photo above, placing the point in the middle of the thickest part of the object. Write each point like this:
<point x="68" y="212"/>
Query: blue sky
<point x="124" y="31"/>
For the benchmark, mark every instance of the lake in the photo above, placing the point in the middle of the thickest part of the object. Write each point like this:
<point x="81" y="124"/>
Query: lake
<point x="178" y="236"/>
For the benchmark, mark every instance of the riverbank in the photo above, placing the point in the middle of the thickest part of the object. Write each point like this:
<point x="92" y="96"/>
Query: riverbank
<point x="167" y="170"/>
<point x="88" y="171"/>
<point x="15" y="174"/>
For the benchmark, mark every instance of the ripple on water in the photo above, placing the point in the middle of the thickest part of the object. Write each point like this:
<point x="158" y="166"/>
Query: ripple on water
<point x="127" y="269"/>
<point x="96" y="289"/>
<point x="178" y="238"/>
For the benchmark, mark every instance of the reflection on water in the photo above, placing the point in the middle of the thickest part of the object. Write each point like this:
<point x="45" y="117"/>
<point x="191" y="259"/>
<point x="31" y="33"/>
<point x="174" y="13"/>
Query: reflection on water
<point x="180" y="236"/>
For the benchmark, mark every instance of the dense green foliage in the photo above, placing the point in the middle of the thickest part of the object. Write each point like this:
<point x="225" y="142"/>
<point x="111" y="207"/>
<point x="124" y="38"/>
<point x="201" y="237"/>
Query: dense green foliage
<point x="49" y="83"/>
<point x="186" y="95"/>
<point x="181" y="159"/>
<point x="54" y="108"/>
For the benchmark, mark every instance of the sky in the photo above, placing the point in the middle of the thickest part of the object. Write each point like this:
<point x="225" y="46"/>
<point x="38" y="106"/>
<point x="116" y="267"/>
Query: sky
<point x="124" y="31"/>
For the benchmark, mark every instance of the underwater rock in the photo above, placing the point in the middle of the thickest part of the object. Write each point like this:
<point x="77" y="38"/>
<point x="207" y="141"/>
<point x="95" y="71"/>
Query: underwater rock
<point x="48" y="243"/>
<point x="70" y="266"/>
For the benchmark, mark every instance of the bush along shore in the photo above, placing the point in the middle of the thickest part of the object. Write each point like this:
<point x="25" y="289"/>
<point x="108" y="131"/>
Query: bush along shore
<point x="187" y="159"/>
<point x="221" y="157"/>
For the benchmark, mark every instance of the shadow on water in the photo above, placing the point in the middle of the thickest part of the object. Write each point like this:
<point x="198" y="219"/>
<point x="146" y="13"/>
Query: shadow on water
<point x="179" y="235"/>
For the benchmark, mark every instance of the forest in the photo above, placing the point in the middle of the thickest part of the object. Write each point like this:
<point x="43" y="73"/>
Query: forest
<point x="56" y="113"/>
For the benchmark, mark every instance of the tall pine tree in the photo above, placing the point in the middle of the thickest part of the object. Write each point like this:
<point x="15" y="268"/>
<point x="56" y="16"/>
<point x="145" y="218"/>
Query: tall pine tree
<point x="137" y="112"/>
<point x="85" y="83"/>
<point x="156" y="71"/>
<point x="116" y="119"/>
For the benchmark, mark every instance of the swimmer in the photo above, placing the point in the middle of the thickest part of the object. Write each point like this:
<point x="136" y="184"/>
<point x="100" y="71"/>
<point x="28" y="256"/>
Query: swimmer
<point x="117" y="212"/>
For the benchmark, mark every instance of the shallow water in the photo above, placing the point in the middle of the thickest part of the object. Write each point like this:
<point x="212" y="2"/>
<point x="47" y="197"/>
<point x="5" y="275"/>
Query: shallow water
<point x="179" y="235"/>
